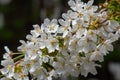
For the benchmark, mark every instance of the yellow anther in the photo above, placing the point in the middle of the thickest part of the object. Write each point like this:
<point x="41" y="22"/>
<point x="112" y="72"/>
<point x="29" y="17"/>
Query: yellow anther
<point x="51" y="27"/>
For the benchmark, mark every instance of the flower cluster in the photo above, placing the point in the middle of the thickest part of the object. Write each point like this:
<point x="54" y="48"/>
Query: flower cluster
<point x="68" y="46"/>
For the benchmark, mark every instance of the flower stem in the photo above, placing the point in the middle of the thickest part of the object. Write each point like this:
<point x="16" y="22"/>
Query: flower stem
<point x="16" y="53"/>
<point x="18" y="58"/>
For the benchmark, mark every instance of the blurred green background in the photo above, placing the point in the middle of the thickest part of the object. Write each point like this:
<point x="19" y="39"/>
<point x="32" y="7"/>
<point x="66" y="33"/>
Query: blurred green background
<point x="18" y="16"/>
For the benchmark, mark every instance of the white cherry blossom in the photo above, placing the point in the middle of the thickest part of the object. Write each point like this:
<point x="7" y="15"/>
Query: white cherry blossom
<point x="65" y="47"/>
<point x="50" y="26"/>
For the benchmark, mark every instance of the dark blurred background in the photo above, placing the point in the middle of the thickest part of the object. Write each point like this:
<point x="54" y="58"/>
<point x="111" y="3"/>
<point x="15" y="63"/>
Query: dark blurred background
<point x="18" y="16"/>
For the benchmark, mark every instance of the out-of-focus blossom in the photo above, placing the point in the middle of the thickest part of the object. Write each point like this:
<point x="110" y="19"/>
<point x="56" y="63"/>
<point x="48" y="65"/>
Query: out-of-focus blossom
<point x="5" y="2"/>
<point x="1" y="20"/>
<point x="115" y="70"/>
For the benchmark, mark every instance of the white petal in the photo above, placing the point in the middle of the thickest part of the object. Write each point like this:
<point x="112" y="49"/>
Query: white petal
<point x="94" y="8"/>
<point x="32" y="69"/>
<point x="62" y="22"/>
<point x="46" y="22"/>
<point x="10" y="74"/>
<point x="103" y="50"/>
<point x="7" y="49"/>
<point x="110" y="47"/>
<point x="90" y="2"/>
<point x="71" y="3"/>
<point x="26" y="78"/>
<point x="4" y="71"/>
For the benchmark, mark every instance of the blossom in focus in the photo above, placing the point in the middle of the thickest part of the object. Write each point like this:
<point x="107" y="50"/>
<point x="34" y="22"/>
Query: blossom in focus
<point x="68" y="46"/>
